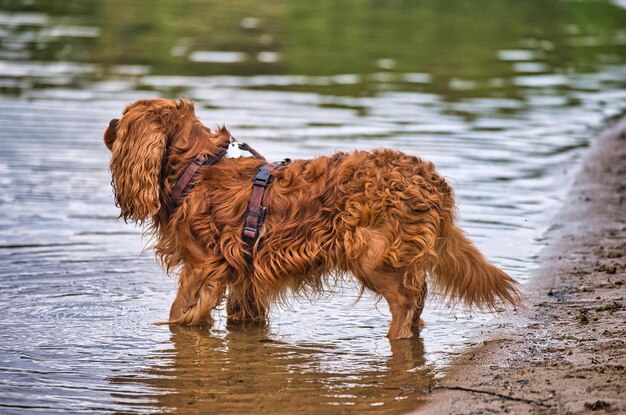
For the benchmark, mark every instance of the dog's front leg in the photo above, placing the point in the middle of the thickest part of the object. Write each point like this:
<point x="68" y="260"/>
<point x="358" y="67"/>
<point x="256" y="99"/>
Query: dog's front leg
<point x="199" y="292"/>
<point x="242" y="304"/>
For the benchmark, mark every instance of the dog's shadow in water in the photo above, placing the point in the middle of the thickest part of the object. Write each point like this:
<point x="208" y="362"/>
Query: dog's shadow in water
<point x="244" y="369"/>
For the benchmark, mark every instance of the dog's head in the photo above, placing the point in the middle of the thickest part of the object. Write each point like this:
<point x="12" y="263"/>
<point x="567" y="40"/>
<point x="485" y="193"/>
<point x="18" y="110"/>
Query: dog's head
<point x="138" y="143"/>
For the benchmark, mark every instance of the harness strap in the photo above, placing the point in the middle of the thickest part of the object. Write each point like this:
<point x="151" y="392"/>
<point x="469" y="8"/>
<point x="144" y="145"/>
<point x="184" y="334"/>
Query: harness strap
<point x="246" y="147"/>
<point x="256" y="210"/>
<point x="184" y="182"/>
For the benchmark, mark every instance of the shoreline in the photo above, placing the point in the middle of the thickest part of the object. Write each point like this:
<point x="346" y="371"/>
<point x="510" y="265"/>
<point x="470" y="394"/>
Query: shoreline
<point x="566" y="351"/>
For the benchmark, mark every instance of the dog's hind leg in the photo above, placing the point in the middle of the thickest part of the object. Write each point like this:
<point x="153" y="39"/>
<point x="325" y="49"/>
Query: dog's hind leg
<point x="403" y="299"/>
<point x="199" y="292"/>
<point x="402" y="302"/>
<point x="419" y="307"/>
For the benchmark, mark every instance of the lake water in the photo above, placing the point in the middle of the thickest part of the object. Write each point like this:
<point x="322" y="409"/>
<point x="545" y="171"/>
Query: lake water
<point x="503" y="97"/>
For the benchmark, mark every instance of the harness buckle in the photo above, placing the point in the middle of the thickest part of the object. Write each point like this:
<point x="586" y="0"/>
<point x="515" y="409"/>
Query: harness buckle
<point x="263" y="177"/>
<point x="262" y="181"/>
<point x="250" y="232"/>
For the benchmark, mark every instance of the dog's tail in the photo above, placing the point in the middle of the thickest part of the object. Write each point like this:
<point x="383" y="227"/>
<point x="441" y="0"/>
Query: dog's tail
<point x="462" y="273"/>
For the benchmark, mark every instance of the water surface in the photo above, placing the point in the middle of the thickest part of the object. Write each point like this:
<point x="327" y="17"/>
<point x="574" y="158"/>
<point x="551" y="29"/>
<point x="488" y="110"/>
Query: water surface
<point x="502" y="97"/>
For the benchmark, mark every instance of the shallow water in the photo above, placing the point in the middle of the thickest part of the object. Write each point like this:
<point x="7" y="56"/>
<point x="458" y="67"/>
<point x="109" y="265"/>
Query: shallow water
<point x="502" y="98"/>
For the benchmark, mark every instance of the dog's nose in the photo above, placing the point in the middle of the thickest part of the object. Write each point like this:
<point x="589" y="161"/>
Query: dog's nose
<point x="110" y="133"/>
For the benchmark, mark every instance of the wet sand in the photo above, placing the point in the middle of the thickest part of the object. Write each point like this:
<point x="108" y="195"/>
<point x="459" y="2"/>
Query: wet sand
<point x="565" y="353"/>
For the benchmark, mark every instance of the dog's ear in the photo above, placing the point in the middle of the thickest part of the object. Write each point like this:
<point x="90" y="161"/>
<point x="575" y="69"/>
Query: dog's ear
<point x="138" y="144"/>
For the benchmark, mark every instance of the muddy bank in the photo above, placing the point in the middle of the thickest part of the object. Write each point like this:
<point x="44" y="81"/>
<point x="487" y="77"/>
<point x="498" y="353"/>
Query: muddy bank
<point x="566" y="352"/>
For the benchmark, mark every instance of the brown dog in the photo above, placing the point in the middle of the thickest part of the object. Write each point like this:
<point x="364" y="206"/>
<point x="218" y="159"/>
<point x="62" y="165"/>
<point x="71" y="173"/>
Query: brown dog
<point x="384" y="217"/>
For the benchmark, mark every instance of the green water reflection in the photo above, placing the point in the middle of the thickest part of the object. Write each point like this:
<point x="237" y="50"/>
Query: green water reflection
<point x="446" y="46"/>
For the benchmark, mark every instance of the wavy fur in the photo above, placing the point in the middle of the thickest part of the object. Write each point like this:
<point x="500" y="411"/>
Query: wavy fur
<point x="385" y="217"/>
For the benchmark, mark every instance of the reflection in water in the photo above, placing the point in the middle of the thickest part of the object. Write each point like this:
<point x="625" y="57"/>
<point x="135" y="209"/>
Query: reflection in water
<point x="243" y="370"/>
<point x="343" y="47"/>
<point x="501" y="97"/>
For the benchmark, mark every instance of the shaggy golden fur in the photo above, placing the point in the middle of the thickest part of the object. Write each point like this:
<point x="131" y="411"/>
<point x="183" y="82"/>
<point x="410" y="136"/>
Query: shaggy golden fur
<point x="384" y="217"/>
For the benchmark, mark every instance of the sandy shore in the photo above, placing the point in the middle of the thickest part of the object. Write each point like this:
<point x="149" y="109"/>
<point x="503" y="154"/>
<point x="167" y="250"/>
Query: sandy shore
<point x="565" y="353"/>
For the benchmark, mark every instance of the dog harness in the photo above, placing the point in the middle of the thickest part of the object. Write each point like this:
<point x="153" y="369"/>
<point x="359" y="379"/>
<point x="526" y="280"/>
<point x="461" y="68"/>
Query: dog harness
<point x="256" y="209"/>
<point x="260" y="182"/>
<point x="184" y="183"/>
